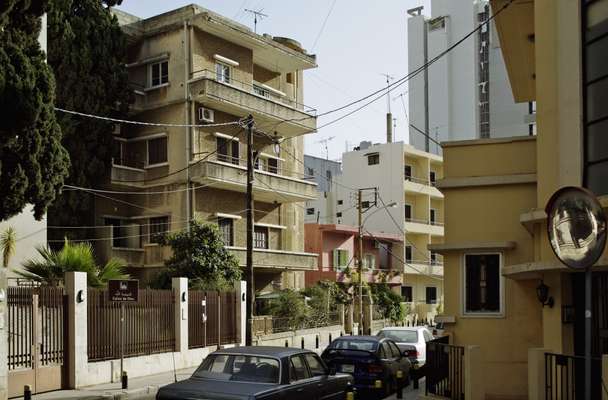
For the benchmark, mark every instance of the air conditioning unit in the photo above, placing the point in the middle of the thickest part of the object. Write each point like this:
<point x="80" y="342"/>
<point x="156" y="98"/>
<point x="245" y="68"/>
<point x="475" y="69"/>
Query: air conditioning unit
<point x="205" y="114"/>
<point x="377" y="244"/>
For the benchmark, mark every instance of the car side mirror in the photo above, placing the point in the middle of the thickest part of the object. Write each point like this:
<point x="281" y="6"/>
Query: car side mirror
<point x="332" y="371"/>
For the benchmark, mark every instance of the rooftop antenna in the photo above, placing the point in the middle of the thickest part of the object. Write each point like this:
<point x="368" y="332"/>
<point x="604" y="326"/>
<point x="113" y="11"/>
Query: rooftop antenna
<point x="256" y="14"/>
<point x="324" y="142"/>
<point x="389" y="115"/>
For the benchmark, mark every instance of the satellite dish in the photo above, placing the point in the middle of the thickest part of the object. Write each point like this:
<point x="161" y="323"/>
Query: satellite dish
<point x="576" y="225"/>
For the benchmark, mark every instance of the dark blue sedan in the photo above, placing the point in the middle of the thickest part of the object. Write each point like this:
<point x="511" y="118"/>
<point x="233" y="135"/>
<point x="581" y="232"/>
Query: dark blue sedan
<point x="374" y="363"/>
<point x="256" y="373"/>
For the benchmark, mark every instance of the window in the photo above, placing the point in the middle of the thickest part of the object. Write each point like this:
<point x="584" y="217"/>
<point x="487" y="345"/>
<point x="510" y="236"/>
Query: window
<point x="365" y="204"/>
<point x="224" y="367"/>
<point x="595" y="92"/>
<point x="373" y="159"/>
<point x="339" y="215"/>
<point x="341" y="258"/>
<point x="310" y="211"/>
<point x="431" y="295"/>
<point x="310" y="172"/>
<point x="406" y="293"/>
<point x="315" y="365"/>
<point x="159" y="228"/>
<point x="399" y="336"/>
<point x="432" y="216"/>
<point x="408" y="212"/>
<point x="297" y="369"/>
<point x="385" y="351"/>
<point x="273" y="165"/>
<point x="482" y="283"/>
<point x="157" y="150"/>
<point x="369" y="261"/>
<point x="226" y="226"/>
<point x="433" y="258"/>
<point x="159" y="73"/>
<point x="289" y="77"/>
<point x="408" y="254"/>
<point x="428" y="336"/>
<point x="328" y="177"/>
<point x="228" y="150"/>
<point x="223" y="72"/>
<point x="432" y="177"/>
<point x="407" y="172"/>
<point x="340" y="202"/>
<point x="395" y="350"/>
<point x="118" y="233"/>
<point x="260" y="237"/>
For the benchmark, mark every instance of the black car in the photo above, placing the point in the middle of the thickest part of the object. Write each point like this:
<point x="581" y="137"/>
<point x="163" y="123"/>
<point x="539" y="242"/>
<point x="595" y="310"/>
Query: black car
<point x="373" y="362"/>
<point x="253" y="373"/>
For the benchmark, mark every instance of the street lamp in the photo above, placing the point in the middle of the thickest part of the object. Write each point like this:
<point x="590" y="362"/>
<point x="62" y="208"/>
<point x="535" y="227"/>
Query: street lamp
<point x="361" y="223"/>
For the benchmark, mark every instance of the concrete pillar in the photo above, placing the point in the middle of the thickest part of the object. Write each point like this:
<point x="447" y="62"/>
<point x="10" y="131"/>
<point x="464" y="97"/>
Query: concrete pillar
<point x="241" y="311"/>
<point x="605" y="375"/>
<point x="536" y="373"/>
<point x="180" y="291"/>
<point x="76" y="290"/>
<point x="474" y="384"/>
<point x="3" y="335"/>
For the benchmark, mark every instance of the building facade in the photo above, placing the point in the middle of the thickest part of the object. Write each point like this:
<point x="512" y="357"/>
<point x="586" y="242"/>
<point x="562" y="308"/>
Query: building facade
<point x="191" y="66"/>
<point x="496" y="249"/>
<point x="406" y="177"/>
<point x="326" y="174"/>
<point x="465" y="94"/>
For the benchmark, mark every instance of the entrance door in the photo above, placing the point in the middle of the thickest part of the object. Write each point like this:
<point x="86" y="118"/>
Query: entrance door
<point x="36" y="336"/>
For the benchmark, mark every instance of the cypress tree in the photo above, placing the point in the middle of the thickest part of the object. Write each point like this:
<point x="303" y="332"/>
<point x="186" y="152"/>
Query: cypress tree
<point x="33" y="163"/>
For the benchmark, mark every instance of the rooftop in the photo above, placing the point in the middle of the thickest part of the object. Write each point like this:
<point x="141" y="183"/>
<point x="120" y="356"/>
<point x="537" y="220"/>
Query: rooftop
<point x="353" y="230"/>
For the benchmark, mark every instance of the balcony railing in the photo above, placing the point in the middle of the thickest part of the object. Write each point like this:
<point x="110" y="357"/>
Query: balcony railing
<point x="424" y="221"/>
<point x="259" y="90"/>
<point x="417" y="180"/>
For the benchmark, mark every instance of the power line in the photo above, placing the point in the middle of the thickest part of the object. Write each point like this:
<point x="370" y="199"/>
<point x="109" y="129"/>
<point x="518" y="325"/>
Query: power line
<point x="124" y="121"/>
<point x="70" y="187"/>
<point x="331" y="8"/>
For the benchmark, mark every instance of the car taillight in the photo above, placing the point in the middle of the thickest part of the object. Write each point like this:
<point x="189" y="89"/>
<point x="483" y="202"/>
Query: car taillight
<point x="374" y="369"/>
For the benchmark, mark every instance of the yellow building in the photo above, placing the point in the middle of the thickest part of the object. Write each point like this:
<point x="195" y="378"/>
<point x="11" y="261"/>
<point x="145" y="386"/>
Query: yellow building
<point x="192" y="66"/>
<point x="496" y="251"/>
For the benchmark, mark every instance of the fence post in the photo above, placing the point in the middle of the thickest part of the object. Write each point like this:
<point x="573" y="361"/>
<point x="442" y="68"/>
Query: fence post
<point x="605" y="375"/>
<point x="180" y="299"/>
<point x="241" y="311"/>
<point x="536" y="373"/>
<point x="474" y="385"/>
<point x="3" y="335"/>
<point x="76" y="290"/>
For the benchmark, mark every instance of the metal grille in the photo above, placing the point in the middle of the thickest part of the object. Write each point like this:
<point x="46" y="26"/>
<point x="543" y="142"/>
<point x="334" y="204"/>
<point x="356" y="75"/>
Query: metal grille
<point x="20" y="327"/>
<point x="564" y="377"/>
<point x="52" y="306"/>
<point x="149" y="325"/>
<point x="220" y="324"/>
<point x="444" y="369"/>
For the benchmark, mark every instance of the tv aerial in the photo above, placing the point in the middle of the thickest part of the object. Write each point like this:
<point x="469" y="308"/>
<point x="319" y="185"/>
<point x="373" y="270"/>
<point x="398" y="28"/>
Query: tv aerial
<point x="256" y="14"/>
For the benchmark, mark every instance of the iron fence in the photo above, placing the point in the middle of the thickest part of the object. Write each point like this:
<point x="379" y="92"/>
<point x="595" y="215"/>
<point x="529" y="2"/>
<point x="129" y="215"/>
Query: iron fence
<point x="20" y="327"/>
<point x="212" y="318"/>
<point x="149" y="325"/>
<point x="444" y="369"/>
<point x="564" y="377"/>
<point x="266" y="325"/>
<point x="53" y="312"/>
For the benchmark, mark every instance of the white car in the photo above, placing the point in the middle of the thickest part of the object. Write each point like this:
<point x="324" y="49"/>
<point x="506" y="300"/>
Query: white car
<point x="410" y="340"/>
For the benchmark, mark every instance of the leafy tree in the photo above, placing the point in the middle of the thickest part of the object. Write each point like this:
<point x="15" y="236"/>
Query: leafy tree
<point x="388" y="301"/>
<point x="52" y="265"/>
<point x="33" y="163"/>
<point x="8" y="243"/>
<point x="88" y="58"/>
<point x="200" y="256"/>
<point x="291" y="307"/>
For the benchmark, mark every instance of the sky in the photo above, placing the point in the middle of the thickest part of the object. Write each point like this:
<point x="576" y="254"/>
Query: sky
<point x="361" y="41"/>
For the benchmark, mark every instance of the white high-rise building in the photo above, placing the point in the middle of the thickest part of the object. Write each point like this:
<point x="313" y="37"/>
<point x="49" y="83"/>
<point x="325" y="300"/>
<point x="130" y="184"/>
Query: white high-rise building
<point x="466" y="93"/>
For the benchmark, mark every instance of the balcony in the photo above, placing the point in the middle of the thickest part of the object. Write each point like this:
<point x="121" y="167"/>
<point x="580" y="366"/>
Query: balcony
<point x="417" y="185"/>
<point x="127" y="173"/>
<point x="434" y="228"/>
<point x="388" y="276"/>
<point x="229" y="173"/>
<point x="128" y="247"/>
<point x="267" y="105"/>
<point x="277" y="260"/>
<point x="424" y="267"/>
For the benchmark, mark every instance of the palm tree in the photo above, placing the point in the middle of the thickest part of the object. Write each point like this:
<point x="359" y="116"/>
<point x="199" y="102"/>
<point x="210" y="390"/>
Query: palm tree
<point x="52" y="265"/>
<point x="8" y="243"/>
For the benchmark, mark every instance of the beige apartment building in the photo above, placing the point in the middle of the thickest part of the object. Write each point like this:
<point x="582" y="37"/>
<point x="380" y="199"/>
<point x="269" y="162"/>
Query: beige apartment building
<point x="192" y="66"/>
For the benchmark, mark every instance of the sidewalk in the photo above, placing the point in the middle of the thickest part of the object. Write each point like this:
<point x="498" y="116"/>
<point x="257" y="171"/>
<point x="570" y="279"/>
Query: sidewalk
<point x="139" y="388"/>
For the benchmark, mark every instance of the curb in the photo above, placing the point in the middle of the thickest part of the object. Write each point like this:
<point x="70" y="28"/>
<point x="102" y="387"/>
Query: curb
<point x="131" y="394"/>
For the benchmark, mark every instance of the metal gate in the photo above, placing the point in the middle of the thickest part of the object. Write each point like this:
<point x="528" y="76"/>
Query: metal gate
<point x="36" y="335"/>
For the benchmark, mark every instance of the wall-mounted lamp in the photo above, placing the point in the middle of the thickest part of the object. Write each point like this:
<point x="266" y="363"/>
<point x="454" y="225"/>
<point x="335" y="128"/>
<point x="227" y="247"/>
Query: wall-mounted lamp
<point x="183" y="297"/>
<point x="80" y="296"/>
<point x="242" y="296"/>
<point x="542" y="292"/>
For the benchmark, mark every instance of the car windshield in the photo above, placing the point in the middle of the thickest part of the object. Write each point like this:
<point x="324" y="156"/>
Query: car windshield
<point x="400" y="336"/>
<point x="239" y="368"/>
<point x="354" y="344"/>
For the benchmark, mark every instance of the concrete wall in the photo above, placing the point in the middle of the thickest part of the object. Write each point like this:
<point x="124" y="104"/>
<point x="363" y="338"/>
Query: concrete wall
<point x="325" y="205"/>
<point x="294" y="338"/>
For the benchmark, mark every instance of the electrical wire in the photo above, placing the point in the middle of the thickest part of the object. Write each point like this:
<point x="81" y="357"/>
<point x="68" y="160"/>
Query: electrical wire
<point x="125" y="121"/>
<point x="331" y="8"/>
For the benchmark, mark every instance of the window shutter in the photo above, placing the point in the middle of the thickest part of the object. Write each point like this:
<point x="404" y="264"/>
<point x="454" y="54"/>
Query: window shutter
<point x="336" y="258"/>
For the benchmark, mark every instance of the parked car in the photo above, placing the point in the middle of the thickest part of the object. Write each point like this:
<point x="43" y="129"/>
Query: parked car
<point x="254" y="373"/>
<point x="372" y="361"/>
<point x="410" y="340"/>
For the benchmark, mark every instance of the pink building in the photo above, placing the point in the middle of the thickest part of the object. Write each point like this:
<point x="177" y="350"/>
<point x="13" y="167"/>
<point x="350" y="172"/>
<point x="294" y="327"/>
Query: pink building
<point x="337" y="247"/>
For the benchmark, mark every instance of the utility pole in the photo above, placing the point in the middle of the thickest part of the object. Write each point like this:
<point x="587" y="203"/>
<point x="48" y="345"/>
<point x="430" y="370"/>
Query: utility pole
<point x="249" y="261"/>
<point x="360" y="258"/>
<point x="389" y="115"/>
